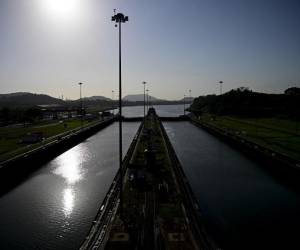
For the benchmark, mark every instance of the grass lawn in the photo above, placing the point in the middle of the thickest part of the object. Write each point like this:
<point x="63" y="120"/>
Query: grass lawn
<point x="10" y="136"/>
<point x="277" y="134"/>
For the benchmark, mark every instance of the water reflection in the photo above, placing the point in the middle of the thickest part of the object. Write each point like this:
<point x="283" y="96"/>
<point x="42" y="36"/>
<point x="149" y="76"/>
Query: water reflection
<point x="69" y="165"/>
<point x="59" y="201"/>
<point x="68" y="201"/>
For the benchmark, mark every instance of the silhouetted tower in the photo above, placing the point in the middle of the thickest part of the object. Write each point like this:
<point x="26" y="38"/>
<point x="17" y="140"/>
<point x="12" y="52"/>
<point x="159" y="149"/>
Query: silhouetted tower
<point x="119" y="19"/>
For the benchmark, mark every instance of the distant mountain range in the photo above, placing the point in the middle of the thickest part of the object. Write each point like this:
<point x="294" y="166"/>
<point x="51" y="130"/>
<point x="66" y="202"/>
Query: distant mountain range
<point x="139" y="98"/>
<point x="97" y="98"/>
<point x="26" y="99"/>
<point x="187" y="99"/>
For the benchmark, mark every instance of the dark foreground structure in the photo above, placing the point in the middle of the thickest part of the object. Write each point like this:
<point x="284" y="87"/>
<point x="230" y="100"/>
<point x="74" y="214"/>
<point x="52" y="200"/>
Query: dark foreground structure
<point x="159" y="209"/>
<point x="242" y="204"/>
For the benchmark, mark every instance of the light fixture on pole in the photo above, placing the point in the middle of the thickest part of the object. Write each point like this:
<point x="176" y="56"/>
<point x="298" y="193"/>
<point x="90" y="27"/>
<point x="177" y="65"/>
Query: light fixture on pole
<point x="183" y="104"/>
<point x="81" y="107"/>
<point x="221" y="86"/>
<point x="119" y="19"/>
<point x="144" y="83"/>
<point x="147" y="90"/>
<point x="113" y="98"/>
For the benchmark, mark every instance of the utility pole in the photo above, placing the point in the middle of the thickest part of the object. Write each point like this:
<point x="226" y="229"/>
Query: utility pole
<point x="119" y="19"/>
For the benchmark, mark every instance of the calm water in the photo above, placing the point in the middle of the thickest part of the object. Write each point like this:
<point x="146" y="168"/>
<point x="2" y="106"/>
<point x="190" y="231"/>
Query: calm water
<point x="244" y="206"/>
<point x="161" y="110"/>
<point x="54" y="207"/>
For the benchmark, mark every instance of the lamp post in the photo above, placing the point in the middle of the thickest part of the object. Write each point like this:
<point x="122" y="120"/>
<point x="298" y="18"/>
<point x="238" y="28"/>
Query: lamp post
<point x="144" y="83"/>
<point x="221" y="91"/>
<point x="147" y="100"/>
<point x="221" y="86"/>
<point x="183" y="104"/>
<point x="81" y="113"/>
<point x="112" y="98"/>
<point x="119" y="19"/>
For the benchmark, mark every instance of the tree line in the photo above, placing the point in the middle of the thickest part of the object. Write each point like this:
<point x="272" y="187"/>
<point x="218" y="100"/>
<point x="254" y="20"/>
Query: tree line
<point x="244" y="102"/>
<point x="19" y="115"/>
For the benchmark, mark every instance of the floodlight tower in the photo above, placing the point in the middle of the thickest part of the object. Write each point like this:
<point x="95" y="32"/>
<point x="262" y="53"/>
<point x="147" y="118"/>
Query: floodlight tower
<point x="119" y="19"/>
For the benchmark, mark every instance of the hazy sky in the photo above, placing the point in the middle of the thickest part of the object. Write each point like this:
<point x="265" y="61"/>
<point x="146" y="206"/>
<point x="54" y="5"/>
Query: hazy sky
<point x="48" y="46"/>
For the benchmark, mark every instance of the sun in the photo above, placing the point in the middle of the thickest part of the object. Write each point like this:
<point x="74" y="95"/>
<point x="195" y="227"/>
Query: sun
<point x="62" y="8"/>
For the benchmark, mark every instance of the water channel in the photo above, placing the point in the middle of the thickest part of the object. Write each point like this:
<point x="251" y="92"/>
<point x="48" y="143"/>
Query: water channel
<point x="55" y="206"/>
<point x="161" y="110"/>
<point x="244" y="205"/>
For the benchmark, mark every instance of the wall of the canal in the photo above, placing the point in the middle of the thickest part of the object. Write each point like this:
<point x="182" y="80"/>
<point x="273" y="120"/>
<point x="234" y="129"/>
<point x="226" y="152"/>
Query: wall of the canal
<point x="17" y="168"/>
<point x="269" y="158"/>
<point x="190" y="202"/>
